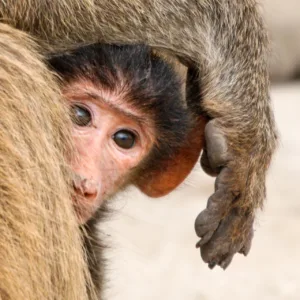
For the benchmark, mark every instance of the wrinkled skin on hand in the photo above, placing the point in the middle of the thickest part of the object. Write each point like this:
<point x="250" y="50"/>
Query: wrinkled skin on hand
<point x="226" y="225"/>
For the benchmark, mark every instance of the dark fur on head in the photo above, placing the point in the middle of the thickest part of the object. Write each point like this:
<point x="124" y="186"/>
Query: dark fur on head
<point x="143" y="79"/>
<point x="149" y="84"/>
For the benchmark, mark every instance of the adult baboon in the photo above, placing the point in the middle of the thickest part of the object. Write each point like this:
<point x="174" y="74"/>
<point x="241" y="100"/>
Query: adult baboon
<point x="224" y="45"/>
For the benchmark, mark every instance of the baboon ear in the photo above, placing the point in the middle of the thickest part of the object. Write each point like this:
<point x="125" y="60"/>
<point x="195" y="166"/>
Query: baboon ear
<point x="174" y="170"/>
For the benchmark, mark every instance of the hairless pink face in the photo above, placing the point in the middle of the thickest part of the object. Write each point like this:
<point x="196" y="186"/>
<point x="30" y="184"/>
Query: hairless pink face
<point x="111" y="139"/>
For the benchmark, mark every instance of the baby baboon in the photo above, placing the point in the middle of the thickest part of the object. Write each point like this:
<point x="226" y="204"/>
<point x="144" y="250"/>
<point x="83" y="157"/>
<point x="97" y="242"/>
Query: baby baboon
<point x="129" y="122"/>
<point x="129" y="126"/>
<point x="225" y="47"/>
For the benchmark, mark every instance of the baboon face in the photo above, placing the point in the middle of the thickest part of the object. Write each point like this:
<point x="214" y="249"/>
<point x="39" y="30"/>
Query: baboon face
<point x="130" y="124"/>
<point x="110" y="141"/>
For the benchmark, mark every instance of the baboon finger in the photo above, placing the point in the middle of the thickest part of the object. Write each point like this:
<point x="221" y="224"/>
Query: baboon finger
<point x="206" y="165"/>
<point x="216" y="147"/>
<point x="206" y="236"/>
<point x="226" y="262"/>
<point x="247" y="246"/>
<point x="217" y="206"/>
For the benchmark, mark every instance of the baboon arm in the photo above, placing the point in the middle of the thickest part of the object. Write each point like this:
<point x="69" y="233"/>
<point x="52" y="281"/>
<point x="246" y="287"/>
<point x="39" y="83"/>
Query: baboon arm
<point x="227" y="43"/>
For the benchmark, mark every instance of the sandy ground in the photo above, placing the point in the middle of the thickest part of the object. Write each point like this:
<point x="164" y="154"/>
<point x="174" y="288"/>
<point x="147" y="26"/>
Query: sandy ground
<point x="283" y="21"/>
<point x="153" y="254"/>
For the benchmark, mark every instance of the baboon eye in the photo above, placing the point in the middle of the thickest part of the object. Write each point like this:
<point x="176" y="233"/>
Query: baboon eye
<point x="124" y="138"/>
<point x="80" y="115"/>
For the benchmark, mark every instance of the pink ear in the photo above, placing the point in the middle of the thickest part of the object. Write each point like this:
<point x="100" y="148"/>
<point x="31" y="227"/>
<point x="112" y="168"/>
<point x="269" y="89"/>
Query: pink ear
<point x="174" y="170"/>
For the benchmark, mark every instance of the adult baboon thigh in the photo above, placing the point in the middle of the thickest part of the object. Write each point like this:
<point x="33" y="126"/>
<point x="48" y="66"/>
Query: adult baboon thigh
<point x="41" y="253"/>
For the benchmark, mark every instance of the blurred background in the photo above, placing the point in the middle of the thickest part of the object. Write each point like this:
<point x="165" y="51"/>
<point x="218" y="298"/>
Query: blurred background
<point x="152" y="251"/>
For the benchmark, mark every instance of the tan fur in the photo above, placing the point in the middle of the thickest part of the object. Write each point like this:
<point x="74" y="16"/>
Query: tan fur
<point x="224" y="39"/>
<point x="41" y="254"/>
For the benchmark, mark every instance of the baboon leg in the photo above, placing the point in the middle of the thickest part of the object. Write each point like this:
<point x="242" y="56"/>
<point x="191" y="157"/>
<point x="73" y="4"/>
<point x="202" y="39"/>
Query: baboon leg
<point x="40" y="245"/>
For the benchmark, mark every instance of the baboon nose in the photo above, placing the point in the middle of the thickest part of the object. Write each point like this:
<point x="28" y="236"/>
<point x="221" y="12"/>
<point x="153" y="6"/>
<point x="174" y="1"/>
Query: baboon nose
<point x="87" y="188"/>
<point x="90" y="189"/>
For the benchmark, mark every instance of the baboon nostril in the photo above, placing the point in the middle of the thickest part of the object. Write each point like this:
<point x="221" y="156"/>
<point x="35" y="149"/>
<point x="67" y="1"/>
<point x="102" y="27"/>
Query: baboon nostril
<point x="87" y="188"/>
<point x="90" y="195"/>
<point x="90" y="189"/>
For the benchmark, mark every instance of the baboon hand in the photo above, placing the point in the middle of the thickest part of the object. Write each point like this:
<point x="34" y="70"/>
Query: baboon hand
<point x="226" y="225"/>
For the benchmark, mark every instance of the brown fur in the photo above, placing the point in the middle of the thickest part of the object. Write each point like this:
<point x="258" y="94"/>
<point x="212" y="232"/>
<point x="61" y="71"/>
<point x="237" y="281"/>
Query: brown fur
<point x="41" y="255"/>
<point x="224" y="41"/>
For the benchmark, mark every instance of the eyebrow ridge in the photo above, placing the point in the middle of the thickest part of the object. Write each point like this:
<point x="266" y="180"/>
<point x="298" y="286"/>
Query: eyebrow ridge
<point x="115" y="107"/>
